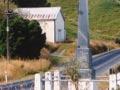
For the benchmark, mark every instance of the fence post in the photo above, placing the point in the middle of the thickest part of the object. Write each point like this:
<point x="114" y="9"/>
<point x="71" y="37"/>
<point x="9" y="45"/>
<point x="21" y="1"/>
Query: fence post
<point x="93" y="85"/>
<point x="81" y="85"/>
<point x="48" y="81"/>
<point x="118" y="79"/>
<point x="112" y="82"/>
<point x="38" y="82"/>
<point x="57" y="83"/>
<point x="71" y="86"/>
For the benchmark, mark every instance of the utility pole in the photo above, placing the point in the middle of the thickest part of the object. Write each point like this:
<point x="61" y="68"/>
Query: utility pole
<point x="83" y="53"/>
<point x="8" y="12"/>
<point x="7" y="30"/>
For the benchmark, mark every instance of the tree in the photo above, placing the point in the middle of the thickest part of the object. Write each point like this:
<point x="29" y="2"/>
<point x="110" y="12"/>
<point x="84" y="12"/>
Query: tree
<point x="26" y="38"/>
<point x="72" y="70"/>
<point x="31" y="3"/>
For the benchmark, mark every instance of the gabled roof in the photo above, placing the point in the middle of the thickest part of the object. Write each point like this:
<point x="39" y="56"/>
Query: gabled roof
<point x="44" y="13"/>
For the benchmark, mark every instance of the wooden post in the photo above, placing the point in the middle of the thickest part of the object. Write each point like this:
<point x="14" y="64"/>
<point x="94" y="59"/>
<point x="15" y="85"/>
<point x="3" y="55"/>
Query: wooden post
<point x="71" y="86"/>
<point x="38" y="82"/>
<point x="57" y="83"/>
<point x="82" y="85"/>
<point x="118" y="79"/>
<point x="112" y="82"/>
<point x="93" y="85"/>
<point x="48" y="81"/>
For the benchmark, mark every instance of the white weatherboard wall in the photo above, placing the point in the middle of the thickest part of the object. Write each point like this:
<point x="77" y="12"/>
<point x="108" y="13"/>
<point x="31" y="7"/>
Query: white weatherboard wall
<point x="59" y="28"/>
<point x="48" y="28"/>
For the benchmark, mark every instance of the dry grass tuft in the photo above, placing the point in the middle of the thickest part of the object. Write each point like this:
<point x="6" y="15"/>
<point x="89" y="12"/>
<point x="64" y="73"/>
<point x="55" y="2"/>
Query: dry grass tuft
<point x="103" y="85"/>
<point x="45" y="53"/>
<point x="17" y="68"/>
<point x="102" y="46"/>
<point x="68" y="48"/>
<point x="97" y="46"/>
<point x="52" y="47"/>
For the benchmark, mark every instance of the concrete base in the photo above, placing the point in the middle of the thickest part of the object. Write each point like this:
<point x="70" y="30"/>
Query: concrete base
<point x="85" y="73"/>
<point x="84" y="57"/>
<point x="82" y="51"/>
<point x="87" y="84"/>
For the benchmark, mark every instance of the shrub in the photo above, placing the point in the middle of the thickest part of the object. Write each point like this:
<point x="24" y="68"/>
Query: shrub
<point x="55" y="60"/>
<point x="25" y="37"/>
<point x="72" y="69"/>
<point x="117" y="40"/>
<point x="45" y="53"/>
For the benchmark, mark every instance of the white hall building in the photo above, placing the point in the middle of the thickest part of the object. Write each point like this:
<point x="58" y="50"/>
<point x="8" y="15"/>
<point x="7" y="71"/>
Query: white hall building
<point x="51" y="21"/>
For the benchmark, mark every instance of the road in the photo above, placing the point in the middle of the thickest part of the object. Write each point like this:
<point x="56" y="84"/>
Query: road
<point x="103" y="62"/>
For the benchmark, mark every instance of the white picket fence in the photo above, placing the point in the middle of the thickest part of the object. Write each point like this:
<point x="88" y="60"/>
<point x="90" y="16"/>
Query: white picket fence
<point x="114" y="81"/>
<point x="57" y="81"/>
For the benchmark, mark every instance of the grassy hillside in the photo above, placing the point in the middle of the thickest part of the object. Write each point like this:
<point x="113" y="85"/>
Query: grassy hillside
<point x="104" y="18"/>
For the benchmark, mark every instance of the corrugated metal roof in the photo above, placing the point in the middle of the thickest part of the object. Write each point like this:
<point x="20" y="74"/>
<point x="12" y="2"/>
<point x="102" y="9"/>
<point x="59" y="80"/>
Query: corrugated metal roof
<point x="39" y="13"/>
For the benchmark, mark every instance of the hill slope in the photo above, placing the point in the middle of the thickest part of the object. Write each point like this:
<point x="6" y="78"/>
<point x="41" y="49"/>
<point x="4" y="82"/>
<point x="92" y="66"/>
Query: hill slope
<point x="104" y="18"/>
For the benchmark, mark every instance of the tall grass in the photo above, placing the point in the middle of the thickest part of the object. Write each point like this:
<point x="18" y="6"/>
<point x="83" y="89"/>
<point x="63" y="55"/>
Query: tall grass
<point x="18" y="68"/>
<point x="97" y="46"/>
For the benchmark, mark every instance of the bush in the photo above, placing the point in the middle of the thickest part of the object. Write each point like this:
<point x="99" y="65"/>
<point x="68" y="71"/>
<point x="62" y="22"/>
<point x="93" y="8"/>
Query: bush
<point x="72" y="70"/>
<point x="25" y="37"/>
<point x="55" y="60"/>
<point x="117" y="40"/>
<point x="45" y="53"/>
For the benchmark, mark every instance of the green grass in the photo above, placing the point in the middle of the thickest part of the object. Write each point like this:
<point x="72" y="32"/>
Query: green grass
<point x="104" y="16"/>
